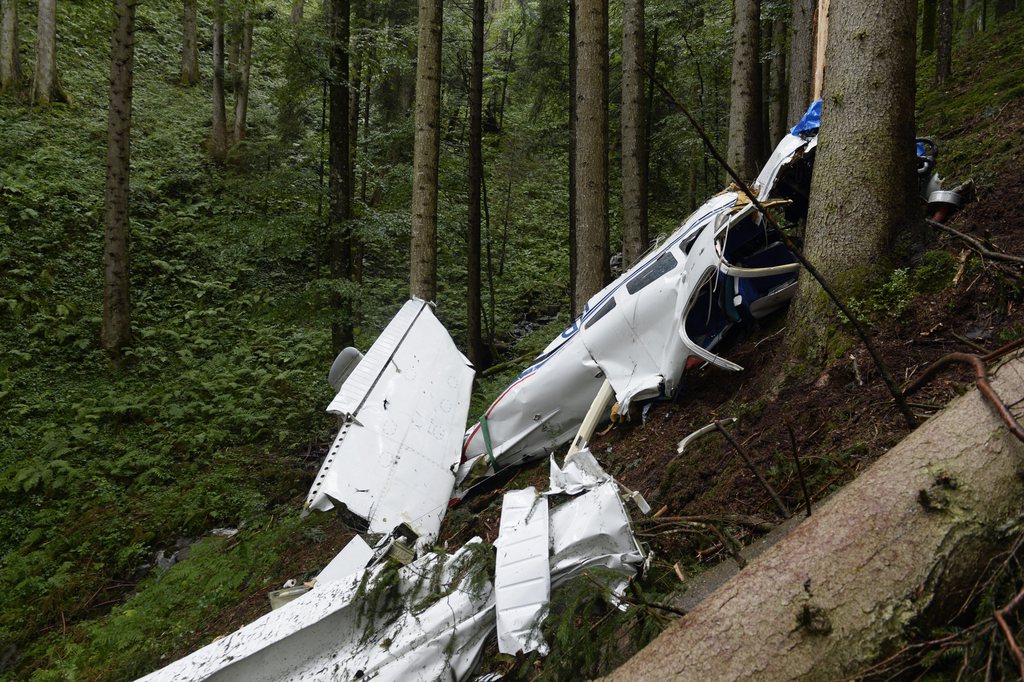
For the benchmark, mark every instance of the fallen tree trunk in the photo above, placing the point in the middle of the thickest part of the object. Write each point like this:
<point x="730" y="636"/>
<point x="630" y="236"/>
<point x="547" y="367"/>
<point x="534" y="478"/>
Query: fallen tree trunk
<point x="902" y="545"/>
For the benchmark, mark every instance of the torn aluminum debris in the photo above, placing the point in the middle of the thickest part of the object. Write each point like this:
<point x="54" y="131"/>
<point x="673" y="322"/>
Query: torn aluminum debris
<point x="522" y="576"/>
<point x="579" y="473"/>
<point x="404" y="407"/>
<point x="443" y="615"/>
<point x="351" y="559"/>
<point x="626" y="335"/>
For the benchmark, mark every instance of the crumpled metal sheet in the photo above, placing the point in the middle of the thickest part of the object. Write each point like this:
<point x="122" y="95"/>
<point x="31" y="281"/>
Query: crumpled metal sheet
<point x="328" y="633"/>
<point x="404" y="406"/>
<point x="522" y="579"/>
<point x="581" y="472"/>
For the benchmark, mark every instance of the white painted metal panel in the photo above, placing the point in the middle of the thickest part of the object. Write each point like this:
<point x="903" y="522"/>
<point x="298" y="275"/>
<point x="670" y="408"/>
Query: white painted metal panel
<point x="351" y="559"/>
<point x="326" y="635"/>
<point x="394" y="459"/>
<point x="581" y="472"/>
<point x="522" y="582"/>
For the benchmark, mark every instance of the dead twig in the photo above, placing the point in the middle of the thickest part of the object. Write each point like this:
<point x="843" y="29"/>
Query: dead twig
<point x="977" y="245"/>
<point x="720" y="425"/>
<point x="980" y="380"/>
<point x="963" y="339"/>
<point x="1000" y="617"/>
<point x="855" y="322"/>
<point x="799" y="468"/>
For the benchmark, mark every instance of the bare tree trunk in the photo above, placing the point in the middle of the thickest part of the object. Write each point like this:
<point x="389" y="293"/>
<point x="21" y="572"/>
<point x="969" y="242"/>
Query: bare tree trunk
<point x="862" y="189"/>
<point x="474" y="301"/>
<point x="1004" y="7"/>
<point x="944" y="54"/>
<point x="745" y="129"/>
<point x="801" y="58"/>
<point x="777" y="115"/>
<point x="573" y="202"/>
<point x="117" y="332"/>
<point x="244" y="68"/>
<point x="634" y="134"/>
<point x="340" y="192"/>
<point x="298" y="8"/>
<point x="219" y="134"/>
<point x="189" y="46"/>
<point x="233" y="43"/>
<point x="929" y="10"/>
<point x="10" y="54"/>
<point x="901" y="547"/>
<point x="423" y="255"/>
<point x="592" y="269"/>
<point x="46" y="87"/>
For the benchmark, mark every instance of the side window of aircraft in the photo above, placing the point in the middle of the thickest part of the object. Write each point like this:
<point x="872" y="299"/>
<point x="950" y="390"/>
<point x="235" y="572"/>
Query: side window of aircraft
<point x="605" y="309"/>
<point x="664" y="264"/>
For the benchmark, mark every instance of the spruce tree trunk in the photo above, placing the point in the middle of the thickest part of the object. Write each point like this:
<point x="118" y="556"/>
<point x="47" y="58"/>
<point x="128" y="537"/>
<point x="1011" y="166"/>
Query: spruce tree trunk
<point x="298" y="9"/>
<point x="944" y="53"/>
<point x="244" y="68"/>
<point x="801" y="58"/>
<point x="10" y="53"/>
<point x="778" y="116"/>
<point x="929" y="10"/>
<point x="863" y="187"/>
<point x="423" y="253"/>
<point x="189" y="45"/>
<point x="745" y="123"/>
<point x="900" y="548"/>
<point x="573" y="202"/>
<point x="219" y="133"/>
<point x="339" y="256"/>
<point x="634" y="135"/>
<point x="116" y="333"/>
<point x="474" y="301"/>
<point x="592" y="269"/>
<point x="46" y="87"/>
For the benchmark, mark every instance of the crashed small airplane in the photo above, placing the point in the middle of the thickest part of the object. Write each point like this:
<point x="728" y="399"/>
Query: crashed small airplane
<point x="401" y="455"/>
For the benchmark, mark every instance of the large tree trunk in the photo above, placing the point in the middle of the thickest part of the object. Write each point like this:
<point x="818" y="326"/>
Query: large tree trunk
<point x="592" y="269"/>
<point x="339" y="246"/>
<point x="801" y="58"/>
<point x="423" y="255"/>
<point x="244" y="68"/>
<point x="574" y="311"/>
<point x="219" y="133"/>
<point x="298" y="9"/>
<point x="745" y="129"/>
<point x="116" y="333"/>
<point x="929" y="8"/>
<point x="474" y="301"/>
<point x="944" y="53"/>
<point x="863" y="187"/>
<point x="46" y="87"/>
<point x="10" y="53"/>
<point x="777" y="114"/>
<point x="189" y="45"/>
<point x="900" y="547"/>
<point x="634" y="135"/>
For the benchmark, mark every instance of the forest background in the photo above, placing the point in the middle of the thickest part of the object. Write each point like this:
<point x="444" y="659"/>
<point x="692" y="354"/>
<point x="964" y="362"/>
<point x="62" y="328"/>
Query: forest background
<point x="213" y="417"/>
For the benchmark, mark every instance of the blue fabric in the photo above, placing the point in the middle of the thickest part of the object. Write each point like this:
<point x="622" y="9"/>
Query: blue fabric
<point x="811" y="120"/>
<point x="920" y="150"/>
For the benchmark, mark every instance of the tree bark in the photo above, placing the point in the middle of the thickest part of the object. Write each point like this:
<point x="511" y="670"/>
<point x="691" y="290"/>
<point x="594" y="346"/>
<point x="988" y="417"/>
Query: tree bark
<point x="801" y="58"/>
<point x="46" y="87"/>
<point x="426" y="150"/>
<point x="219" y="133"/>
<point x="944" y="53"/>
<point x="244" y="68"/>
<point x="116" y="333"/>
<point x="189" y="45"/>
<point x="1004" y="7"/>
<point x="929" y="10"/>
<point x="777" y="115"/>
<point x="634" y="134"/>
<point x="298" y="8"/>
<point x="901" y="546"/>
<point x="10" y="53"/>
<point x="339" y="247"/>
<point x="572" y="160"/>
<point x="863" y="186"/>
<point x="592" y="268"/>
<point x="745" y="129"/>
<point x="474" y="300"/>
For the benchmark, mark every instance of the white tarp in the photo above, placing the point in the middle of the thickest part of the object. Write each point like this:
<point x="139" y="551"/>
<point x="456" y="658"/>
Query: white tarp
<point x="404" y="407"/>
<point x="430" y="625"/>
<point x="522" y="579"/>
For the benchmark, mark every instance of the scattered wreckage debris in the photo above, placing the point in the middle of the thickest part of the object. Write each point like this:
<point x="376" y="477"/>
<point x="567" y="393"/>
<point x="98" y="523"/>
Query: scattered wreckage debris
<point x="393" y="608"/>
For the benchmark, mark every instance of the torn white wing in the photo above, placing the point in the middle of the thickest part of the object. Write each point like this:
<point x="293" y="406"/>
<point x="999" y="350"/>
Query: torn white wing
<point x="394" y="459"/>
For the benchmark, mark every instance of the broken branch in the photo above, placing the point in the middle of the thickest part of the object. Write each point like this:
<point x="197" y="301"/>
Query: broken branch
<point x="977" y="245"/>
<point x="720" y="425"/>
